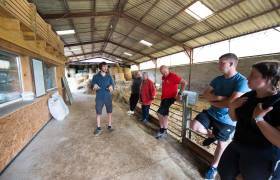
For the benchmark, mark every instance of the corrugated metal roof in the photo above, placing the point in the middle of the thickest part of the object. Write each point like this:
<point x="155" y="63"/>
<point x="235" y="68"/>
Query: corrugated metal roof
<point x="161" y="22"/>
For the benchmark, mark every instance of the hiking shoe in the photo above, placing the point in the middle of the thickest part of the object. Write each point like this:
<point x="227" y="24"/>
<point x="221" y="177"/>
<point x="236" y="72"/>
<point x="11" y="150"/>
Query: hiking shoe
<point x="130" y="112"/>
<point x="211" y="173"/>
<point x="110" y="129"/>
<point x="208" y="141"/>
<point x="97" y="131"/>
<point x="145" y="121"/>
<point x="160" y="135"/>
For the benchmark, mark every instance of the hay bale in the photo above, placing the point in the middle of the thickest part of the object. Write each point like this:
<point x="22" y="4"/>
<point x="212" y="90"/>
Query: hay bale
<point x="127" y="74"/>
<point x="119" y="77"/>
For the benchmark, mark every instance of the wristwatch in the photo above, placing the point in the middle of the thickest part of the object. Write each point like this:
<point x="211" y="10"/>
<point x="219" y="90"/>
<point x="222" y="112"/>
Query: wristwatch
<point x="259" y="118"/>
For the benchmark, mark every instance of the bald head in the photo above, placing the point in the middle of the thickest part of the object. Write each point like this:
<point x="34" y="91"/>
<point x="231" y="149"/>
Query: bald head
<point x="164" y="70"/>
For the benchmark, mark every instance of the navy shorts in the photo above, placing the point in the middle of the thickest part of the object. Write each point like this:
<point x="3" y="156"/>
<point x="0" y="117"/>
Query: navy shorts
<point x="253" y="163"/>
<point x="221" y="131"/>
<point x="165" y="105"/>
<point x="100" y="102"/>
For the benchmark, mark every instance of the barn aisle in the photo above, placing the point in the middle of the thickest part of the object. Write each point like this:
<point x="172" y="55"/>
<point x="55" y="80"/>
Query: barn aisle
<point x="69" y="150"/>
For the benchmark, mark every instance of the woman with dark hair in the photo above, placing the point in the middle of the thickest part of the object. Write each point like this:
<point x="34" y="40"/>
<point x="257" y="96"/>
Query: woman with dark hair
<point x="254" y="152"/>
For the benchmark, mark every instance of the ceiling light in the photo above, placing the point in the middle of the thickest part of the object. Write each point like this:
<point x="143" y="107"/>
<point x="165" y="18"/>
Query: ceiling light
<point x="199" y="11"/>
<point x="75" y="49"/>
<point x="128" y="54"/>
<point x="146" y="43"/>
<point x="65" y="32"/>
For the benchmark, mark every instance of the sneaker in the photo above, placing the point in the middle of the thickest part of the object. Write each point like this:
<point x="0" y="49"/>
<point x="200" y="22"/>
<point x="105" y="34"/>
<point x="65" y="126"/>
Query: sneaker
<point x="97" y="131"/>
<point x="208" y="141"/>
<point x="211" y="173"/>
<point x="130" y="112"/>
<point x="161" y="135"/>
<point x="110" y="129"/>
<point x="145" y="121"/>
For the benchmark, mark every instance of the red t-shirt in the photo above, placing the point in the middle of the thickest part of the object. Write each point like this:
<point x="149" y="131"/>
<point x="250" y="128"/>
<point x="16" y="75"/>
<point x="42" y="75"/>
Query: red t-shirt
<point x="170" y="85"/>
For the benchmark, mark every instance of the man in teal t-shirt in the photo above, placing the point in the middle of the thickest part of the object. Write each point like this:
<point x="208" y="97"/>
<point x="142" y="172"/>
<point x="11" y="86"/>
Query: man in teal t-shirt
<point x="215" y="121"/>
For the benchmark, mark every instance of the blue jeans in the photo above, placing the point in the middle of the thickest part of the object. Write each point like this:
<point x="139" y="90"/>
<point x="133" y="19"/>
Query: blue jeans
<point x="145" y="112"/>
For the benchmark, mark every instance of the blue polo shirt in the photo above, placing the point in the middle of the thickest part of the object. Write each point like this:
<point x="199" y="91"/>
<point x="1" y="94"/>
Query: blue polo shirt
<point x="226" y="87"/>
<point x="103" y="82"/>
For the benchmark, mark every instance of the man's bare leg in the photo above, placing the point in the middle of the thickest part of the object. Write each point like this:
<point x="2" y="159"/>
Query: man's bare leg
<point x="221" y="146"/>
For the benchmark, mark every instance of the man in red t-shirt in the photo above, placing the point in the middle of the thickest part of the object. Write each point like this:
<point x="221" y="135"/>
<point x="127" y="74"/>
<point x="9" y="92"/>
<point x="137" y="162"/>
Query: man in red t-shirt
<point x="170" y="83"/>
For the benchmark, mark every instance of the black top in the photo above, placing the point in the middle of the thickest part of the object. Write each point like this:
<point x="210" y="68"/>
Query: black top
<point x="135" y="88"/>
<point x="247" y="132"/>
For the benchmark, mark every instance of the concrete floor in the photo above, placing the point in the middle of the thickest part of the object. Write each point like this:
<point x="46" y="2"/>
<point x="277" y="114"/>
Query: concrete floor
<point x="69" y="150"/>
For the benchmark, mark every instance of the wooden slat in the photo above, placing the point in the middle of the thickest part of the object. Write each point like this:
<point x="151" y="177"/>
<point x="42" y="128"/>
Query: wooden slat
<point x="26" y="13"/>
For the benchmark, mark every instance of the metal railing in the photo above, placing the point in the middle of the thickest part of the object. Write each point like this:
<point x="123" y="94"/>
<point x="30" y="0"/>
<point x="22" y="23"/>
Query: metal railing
<point x="180" y="115"/>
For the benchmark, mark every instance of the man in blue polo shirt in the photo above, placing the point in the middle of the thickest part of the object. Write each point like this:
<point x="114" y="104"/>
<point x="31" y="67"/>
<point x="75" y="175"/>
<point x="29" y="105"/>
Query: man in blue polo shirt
<point x="103" y="84"/>
<point x="215" y="121"/>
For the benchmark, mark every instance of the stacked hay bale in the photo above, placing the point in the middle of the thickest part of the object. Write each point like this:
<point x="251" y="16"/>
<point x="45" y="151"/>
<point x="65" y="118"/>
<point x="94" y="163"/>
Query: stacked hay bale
<point x="127" y="74"/>
<point x="117" y="73"/>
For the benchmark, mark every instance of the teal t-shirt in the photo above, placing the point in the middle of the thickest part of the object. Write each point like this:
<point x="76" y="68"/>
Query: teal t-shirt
<point x="225" y="87"/>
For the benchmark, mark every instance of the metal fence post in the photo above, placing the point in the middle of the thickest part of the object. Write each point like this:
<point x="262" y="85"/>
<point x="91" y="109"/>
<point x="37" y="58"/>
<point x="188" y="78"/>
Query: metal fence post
<point x="187" y="111"/>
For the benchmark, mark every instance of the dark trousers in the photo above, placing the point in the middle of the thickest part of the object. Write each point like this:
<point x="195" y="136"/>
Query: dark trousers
<point x="251" y="162"/>
<point x="133" y="100"/>
<point x="145" y="112"/>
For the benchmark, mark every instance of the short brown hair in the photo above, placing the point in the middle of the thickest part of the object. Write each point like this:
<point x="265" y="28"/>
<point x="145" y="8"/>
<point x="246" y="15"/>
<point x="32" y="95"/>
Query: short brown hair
<point x="270" y="70"/>
<point x="230" y="56"/>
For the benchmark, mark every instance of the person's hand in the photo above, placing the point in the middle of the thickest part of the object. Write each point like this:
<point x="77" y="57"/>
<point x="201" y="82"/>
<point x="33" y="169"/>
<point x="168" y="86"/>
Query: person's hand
<point x="110" y="88"/>
<point x="96" y="87"/>
<point x="179" y="97"/>
<point x="221" y="98"/>
<point x="238" y="102"/>
<point x="260" y="112"/>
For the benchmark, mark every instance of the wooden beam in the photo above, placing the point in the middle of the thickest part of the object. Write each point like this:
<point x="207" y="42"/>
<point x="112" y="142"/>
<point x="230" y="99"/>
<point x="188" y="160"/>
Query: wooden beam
<point x="123" y="15"/>
<point x="237" y="22"/>
<point x="114" y="43"/>
<point x="78" y="15"/>
<point x="94" y="58"/>
<point x="154" y="31"/>
<point x="217" y="12"/>
<point x="132" y="29"/>
<point x="113" y="23"/>
<point x="120" y="57"/>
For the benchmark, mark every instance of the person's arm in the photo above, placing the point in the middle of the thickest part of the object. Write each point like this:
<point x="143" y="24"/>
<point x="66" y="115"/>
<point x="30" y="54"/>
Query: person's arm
<point x="234" y="105"/>
<point x="209" y="95"/>
<point x="152" y="90"/>
<point x="240" y="88"/>
<point x="183" y="84"/>
<point x="94" y="83"/>
<point x="270" y="133"/>
<point x="225" y="103"/>
<point x="112" y="85"/>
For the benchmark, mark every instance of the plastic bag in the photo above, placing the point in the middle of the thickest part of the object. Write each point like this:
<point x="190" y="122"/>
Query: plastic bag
<point x="57" y="107"/>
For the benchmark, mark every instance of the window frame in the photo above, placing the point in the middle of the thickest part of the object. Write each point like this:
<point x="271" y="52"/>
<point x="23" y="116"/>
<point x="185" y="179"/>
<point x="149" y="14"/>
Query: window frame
<point x="44" y="72"/>
<point x="20" y="78"/>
